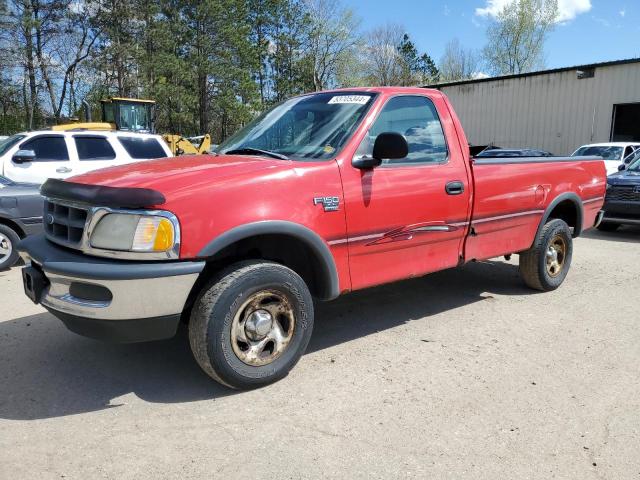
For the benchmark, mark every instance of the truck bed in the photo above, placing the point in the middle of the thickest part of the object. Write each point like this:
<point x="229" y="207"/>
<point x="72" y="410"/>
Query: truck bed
<point x="506" y="215"/>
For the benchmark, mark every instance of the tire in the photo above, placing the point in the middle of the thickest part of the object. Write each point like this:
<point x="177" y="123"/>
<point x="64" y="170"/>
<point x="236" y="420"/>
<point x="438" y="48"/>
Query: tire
<point x="608" y="226"/>
<point x="537" y="268"/>
<point x="228" y="324"/>
<point x="8" y="247"/>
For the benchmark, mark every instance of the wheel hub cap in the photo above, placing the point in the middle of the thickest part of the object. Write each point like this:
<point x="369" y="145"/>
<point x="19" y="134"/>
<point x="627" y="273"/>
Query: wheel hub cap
<point x="5" y="247"/>
<point x="258" y="325"/>
<point x="262" y="328"/>
<point x="556" y="255"/>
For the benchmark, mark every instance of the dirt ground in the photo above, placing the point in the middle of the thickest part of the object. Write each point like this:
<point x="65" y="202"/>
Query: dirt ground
<point x="463" y="374"/>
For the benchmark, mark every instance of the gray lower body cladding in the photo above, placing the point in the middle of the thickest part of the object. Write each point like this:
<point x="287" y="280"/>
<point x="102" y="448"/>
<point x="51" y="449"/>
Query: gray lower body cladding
<point x="114" y="300"/>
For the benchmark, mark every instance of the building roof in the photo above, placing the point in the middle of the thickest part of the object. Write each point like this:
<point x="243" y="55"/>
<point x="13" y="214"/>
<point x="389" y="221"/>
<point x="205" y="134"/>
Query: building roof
<point x="532" y="74"/>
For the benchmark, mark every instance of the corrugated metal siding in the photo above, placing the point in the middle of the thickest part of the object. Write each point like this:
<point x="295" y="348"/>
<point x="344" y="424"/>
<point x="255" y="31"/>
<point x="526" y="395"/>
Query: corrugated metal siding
<point x="555" y="112"/>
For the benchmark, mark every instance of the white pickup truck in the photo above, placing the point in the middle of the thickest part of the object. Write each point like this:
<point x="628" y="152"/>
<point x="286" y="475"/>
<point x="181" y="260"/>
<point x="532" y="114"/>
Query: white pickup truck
<point x="35" y="156"/>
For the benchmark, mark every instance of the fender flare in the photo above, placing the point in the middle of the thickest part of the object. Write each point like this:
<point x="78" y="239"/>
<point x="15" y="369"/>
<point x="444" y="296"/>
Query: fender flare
<point x="576" y="200"/>
<point x="13" y="223"/>
<point x="329" y="271"/>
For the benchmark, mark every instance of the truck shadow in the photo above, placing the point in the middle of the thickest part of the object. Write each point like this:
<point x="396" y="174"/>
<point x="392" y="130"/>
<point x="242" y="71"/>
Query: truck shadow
<point x="624" y="234"/>
<point x="46" y="371"/>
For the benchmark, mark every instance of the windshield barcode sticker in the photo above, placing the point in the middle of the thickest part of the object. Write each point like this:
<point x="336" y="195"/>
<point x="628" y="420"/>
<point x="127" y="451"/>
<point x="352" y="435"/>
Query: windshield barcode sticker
<point x="357" y="99"/>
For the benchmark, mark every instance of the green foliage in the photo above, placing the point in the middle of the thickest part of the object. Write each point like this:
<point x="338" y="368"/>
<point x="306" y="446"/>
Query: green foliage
<point x="517" y="36"/>
<point x="418" y="69"/>
<point x="211" y="65"/>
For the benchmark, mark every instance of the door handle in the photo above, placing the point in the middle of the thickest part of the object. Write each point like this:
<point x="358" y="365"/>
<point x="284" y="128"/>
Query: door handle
<point x="63" y="169"/>
<point x="454" y="188"/>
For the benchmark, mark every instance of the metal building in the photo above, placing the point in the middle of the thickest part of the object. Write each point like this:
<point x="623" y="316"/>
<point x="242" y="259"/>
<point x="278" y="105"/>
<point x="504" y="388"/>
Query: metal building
<point x="554" y="110"/>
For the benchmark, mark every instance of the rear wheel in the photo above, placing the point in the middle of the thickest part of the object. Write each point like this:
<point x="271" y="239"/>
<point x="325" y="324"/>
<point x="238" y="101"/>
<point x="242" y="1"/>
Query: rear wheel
<point x="546" y="264"/>
<point x="251" y="324"/>
<point x="8" y="247"/>
<point x="608" y="226"/>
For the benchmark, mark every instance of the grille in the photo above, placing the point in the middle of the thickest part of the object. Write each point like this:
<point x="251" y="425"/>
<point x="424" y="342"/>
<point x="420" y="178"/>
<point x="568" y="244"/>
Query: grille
<point x="64" y="223"/>
<point x="623" y="193"/>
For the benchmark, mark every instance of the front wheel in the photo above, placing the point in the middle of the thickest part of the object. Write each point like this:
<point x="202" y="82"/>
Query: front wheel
<point x="8" y="251"/>
<point x="251" y="324"/>
<point x="546" y="264"/>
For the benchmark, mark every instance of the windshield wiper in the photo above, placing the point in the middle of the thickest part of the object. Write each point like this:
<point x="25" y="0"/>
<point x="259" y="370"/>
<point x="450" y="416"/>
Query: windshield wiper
<point x="256" y="151"/>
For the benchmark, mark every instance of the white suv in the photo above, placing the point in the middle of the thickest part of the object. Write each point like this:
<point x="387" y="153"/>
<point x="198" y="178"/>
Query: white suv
<point x="35" y="156"/>
<point x="613" y="153"/>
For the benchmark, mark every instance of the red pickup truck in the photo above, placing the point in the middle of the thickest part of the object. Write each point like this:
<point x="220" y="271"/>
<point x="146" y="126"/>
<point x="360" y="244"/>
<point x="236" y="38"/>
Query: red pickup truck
<point x="323" y="194"/>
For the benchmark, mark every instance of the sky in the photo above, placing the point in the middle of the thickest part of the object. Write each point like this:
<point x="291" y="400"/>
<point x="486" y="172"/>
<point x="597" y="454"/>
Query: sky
<point x="588" y="31"/>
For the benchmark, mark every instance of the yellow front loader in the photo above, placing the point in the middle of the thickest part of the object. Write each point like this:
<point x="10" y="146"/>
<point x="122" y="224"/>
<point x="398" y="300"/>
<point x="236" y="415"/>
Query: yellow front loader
<point x="136" y="115"/>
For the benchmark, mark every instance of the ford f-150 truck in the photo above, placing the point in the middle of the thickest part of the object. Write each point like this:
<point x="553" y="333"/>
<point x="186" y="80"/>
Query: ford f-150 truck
<point x="323" y="194"/>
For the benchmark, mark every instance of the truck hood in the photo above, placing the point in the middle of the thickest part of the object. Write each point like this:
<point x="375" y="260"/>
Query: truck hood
<point x="624" y="178"/>
<point x="175" y="175"/>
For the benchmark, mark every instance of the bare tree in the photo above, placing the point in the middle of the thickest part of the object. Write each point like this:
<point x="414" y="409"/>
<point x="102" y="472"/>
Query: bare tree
<point x="18" y="39"/>
<point x="457" y="62"/>
<point x="69" y="55"/>
<point x="332" y="38"/>
<point x="383" y="62"/>
<point x="517" y="35"/>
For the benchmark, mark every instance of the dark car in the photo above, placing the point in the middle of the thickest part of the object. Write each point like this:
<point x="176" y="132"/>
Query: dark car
<point x="622" y="201"/>
<point x="20" y="215"/>
<point x="514" y="152"/>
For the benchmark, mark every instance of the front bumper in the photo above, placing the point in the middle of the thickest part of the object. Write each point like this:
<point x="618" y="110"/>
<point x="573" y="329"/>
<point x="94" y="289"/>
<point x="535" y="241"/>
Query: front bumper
<point x="622" y="212"/>
<point x="116" y="300"/>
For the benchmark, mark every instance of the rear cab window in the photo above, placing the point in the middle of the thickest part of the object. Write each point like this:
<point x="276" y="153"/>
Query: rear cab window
<point x="94" y="148"/>
<point x="48" y="148"/>
<point x="142" y="148"/>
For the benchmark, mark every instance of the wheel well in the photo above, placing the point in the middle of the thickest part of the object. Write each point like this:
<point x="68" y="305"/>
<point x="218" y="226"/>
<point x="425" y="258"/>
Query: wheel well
<point x="283" y="249"/>
<point x="567" y="210"/>
<point x="13" y="225"/>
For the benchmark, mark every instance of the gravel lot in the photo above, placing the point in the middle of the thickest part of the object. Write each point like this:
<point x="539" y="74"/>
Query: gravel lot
<point x="464" y="374"/>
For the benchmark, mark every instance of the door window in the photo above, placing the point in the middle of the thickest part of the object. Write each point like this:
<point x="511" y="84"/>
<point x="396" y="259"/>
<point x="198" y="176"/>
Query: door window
<point x="47" y="149"/>
<point x="142" y="148"/>
<point x="94" y="148"/>
<point x="414" y="117"/>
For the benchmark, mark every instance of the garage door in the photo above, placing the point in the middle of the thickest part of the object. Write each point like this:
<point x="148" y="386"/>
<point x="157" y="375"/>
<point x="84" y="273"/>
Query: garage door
<point x="626" y="123"/>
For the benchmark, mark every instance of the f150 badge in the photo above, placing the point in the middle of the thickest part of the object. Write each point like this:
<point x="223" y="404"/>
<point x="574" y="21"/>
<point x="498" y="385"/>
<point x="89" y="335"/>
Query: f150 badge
<point x="330" y="204"/>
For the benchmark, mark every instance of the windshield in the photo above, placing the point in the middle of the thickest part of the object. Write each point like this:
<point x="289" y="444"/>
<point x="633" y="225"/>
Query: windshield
<point x="309" y="127"/>
<point x="634" y="166"/>
<point x="608" y="153"/>
<point x="134" y="117"/>
<point x="7" y="143"/>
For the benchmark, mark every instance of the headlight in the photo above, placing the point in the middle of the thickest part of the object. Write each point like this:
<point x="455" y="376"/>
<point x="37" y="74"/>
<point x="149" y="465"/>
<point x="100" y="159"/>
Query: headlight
<point x="131" y="232"/>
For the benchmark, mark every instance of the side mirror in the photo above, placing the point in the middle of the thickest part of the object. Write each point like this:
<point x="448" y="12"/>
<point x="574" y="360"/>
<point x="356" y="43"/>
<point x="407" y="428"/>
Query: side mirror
<point x="388" y="146"/>
<point x="622" y="167"/>
<point x="23" y="156"/>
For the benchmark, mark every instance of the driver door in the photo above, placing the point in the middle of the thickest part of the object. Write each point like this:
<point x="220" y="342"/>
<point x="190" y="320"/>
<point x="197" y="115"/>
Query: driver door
<point x="407" y="217"/>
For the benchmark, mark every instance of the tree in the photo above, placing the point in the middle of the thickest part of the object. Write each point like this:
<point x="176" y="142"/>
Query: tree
<point x="458" y="63"/>
<point x="417" y="69"/>
<point x="291" y="68"/>
<point x="391" y="58"/>
<point x="383" y="62"/>
<point x="332" y="39"/>
<point x="516" y="37"/>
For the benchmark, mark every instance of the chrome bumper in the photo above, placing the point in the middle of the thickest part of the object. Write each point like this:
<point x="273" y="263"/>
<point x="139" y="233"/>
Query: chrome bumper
<point x="113" y="299"/>
<point x="130" y="299"/>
